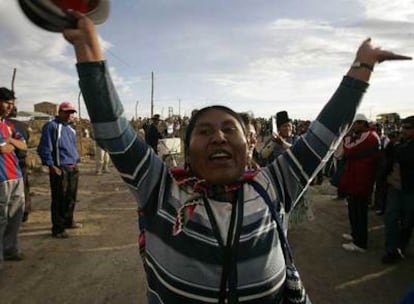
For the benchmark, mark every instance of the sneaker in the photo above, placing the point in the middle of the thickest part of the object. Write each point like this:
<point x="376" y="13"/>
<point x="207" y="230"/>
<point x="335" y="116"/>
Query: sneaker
<point x="74" y="225"/>
<point x="352" y="247"/>
<point x="60" y="235"/>
<point x="98" y="172"/>
<point x="347" y="237"/>
<point x="392" y="257"/>
<point x="15" y="257"/>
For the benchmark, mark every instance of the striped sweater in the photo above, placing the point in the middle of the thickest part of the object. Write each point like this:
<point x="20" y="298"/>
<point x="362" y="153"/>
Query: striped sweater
<point x="186" y="268"/>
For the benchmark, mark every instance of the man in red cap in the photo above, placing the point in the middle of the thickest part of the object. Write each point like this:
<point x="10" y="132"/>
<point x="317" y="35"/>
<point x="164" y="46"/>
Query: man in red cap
<point x="58" y="150"/>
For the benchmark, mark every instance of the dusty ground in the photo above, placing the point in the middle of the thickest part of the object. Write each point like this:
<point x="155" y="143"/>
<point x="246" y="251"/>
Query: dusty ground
<point x="99" y="263"/>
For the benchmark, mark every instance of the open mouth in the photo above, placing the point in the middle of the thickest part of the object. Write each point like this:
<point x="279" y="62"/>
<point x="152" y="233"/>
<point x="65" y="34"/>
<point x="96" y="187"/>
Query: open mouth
<point x="220" y="155"/>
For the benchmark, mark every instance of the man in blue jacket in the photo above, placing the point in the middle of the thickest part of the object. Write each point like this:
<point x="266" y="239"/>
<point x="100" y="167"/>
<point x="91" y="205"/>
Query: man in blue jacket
<point x="57" y="150"/>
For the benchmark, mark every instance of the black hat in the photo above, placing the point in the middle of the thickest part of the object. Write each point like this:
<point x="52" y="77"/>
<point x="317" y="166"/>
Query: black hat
<point x="51" y="14"/>
<point x="408" y="122"/>
<point x="6" y="94"/>
<point x="282" y="117"/>
<point x="156" y="117"/>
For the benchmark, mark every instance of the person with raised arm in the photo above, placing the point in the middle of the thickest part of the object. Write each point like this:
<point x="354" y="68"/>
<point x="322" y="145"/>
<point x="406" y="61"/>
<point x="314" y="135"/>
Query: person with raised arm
<point x="212" y="230"/>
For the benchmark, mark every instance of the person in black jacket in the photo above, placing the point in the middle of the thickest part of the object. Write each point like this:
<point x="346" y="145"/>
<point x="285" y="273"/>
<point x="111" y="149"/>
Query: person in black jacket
<point x="152" y="134"/>
<point x="399" y="212"/>
<point x="23" y="129"/>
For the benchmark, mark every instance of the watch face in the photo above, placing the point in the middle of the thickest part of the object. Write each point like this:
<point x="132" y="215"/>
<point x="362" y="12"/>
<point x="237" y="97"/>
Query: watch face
<point x="359" y="64"/>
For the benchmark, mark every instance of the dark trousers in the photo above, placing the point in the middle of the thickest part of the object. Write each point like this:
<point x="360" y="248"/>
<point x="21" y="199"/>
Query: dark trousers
<point x="399" y="220"/>
<point x="27" y="198"/>
<point x="380" y="195"/>
<point x="64" y="189"/>
<point x="358" y="218"/>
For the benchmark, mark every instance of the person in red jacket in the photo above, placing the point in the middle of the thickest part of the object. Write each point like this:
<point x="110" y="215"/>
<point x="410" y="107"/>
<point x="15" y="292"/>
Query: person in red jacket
<point x="361" y="151"/>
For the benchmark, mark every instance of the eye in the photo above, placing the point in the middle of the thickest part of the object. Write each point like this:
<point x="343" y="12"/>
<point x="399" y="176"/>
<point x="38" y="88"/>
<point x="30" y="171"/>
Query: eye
<point x="204" y="131"/>
<point x="229" y="129"/>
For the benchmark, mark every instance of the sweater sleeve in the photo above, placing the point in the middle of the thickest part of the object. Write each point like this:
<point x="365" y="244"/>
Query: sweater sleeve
<point x="137" y="164"/>
<point x="45" y="148"/>
<point x="292" y="171"/>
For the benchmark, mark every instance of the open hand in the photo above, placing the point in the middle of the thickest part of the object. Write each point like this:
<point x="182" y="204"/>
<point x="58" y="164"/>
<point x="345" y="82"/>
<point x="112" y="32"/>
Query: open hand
<point x="368" y="54"/>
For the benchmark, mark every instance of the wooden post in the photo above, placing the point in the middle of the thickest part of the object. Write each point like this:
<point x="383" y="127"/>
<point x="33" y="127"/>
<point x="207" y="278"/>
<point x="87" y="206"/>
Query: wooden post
<point x="136" y="109"/>
<point x="152" y="94"/>
<point x="80" y="125"/>
<point x="13" y="78"/>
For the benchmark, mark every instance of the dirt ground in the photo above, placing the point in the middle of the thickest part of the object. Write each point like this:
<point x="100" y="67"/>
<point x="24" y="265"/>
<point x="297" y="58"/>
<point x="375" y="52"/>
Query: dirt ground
<point x="100" y="263"/>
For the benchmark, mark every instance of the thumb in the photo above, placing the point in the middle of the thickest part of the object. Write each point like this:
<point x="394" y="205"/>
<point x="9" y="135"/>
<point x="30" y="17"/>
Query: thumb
<point x="72" y="35"/>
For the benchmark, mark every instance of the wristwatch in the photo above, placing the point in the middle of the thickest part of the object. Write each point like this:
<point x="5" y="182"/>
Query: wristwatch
<point x="359" y="64"/>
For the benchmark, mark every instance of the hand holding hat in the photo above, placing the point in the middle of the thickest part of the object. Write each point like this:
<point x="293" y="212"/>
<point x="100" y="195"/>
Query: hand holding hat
<point x="84" y="38"/>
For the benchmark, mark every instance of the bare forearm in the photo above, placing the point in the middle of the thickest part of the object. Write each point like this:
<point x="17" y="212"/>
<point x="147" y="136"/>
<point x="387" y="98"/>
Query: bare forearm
<point x="18" y="144"/>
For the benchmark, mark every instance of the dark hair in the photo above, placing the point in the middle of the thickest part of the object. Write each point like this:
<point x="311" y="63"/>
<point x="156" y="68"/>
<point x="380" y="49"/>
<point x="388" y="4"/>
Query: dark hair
<point x="6" y="94"/>
<point x="246" y="118"/>
<point x="408" y="120"/>
<point x="199" y="113"/>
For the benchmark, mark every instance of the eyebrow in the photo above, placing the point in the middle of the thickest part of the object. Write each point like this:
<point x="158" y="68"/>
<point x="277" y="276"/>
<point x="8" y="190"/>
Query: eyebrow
<point x="210" y="124"/>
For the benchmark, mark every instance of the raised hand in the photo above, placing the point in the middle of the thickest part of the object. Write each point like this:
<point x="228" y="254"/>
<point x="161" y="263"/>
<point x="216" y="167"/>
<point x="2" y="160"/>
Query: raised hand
<point x="367" y="53"/>
<point x="84" y="38"/>
<point x="369" y="56"/>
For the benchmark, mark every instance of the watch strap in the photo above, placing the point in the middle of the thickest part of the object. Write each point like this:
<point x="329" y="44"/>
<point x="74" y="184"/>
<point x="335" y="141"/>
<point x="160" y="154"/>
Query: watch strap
<point x="359" y="64"/>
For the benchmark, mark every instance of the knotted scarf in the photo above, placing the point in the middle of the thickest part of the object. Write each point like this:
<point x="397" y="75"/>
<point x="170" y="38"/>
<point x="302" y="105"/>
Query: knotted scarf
<point x="197" y="188"/>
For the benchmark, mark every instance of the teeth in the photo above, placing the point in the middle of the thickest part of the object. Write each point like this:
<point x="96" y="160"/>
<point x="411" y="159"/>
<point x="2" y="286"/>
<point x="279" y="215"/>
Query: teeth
<point x="219" y="155"/>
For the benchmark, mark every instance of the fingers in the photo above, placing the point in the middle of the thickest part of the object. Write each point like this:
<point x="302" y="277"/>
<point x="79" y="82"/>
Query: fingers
<point x="76" y="14"/>
<point x="399" y="57"/>
<point x="70" y="34"/>
<point x="366" y="41"/>
<point x="387" y="56"/>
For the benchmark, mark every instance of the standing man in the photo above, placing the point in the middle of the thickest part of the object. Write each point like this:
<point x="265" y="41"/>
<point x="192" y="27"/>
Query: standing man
<point x="361" y="152"/>
<point x="399" y="212"/>
<point x="57" y="150"/>
<point x="102" y="160"/>
<point x="11" y="182"/>
<point x="283" y="140"/>
<point x="152" y="134"/>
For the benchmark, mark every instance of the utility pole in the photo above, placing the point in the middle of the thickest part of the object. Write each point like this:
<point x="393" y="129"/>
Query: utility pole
<point x="136" y="109"/>
<point x="13" y="78"/>
<point x="179" y="107"/>
<point x="152" y="94"/>
<point x="80" y="133"/>
<point x="79" y="104"/>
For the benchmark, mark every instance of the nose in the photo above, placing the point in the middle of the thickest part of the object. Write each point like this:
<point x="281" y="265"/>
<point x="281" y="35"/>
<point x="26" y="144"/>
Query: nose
<point x="218" y="136"/>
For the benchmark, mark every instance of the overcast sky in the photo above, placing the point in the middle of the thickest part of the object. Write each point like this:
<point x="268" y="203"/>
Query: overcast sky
<point x="252" y="55"/>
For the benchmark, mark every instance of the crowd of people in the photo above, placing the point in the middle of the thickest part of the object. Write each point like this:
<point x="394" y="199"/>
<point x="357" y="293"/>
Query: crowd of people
<point x="226" y="213"/>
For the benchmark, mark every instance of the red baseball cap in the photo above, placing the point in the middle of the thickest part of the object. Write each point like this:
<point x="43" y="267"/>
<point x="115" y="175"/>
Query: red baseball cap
<point x="67" y="106"/>
<point x="52" y="15"/>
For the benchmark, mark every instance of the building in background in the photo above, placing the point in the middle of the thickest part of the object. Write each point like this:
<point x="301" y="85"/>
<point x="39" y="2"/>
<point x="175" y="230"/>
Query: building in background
<point x="46" y="107"/>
